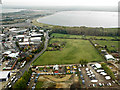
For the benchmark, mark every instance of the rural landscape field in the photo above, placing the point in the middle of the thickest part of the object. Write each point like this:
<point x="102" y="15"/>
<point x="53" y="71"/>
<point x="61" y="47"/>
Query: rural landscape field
<point x="74" y="51"/>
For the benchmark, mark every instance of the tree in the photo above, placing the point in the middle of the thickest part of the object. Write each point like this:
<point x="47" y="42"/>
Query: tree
<point x="30" y="56"/>
<point x="19" y="59"/>
<point x="83" y="62"/>
<point x="28" y="59"/>
<point x="17" y="44"/>
<point x="20" y="84"/>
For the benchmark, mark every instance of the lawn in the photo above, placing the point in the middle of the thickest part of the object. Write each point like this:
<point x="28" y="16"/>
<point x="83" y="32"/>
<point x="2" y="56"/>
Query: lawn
<point x="111" y="45"/>
<point x="57" y="35"/>
<point x="73" y="52"/>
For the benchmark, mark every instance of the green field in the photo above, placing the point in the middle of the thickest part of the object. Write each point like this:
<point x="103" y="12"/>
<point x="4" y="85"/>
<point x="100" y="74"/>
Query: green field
<point x="57" y="35"/>
<point x="109" y="44"/>
<point x="73" y="52"/>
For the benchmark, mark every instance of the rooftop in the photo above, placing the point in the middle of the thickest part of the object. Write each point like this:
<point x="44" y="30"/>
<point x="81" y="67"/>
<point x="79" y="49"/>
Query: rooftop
<point x="4" y="74"/>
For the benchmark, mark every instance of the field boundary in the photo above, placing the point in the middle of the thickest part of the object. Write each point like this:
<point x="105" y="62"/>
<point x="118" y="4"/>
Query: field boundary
<point x="96" y="49"/>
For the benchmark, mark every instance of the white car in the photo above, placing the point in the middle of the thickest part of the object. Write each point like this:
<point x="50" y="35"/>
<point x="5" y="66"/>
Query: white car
<point x="9" y="86"/>
<point x="103" y="84"/>
<point x="113" y="81"/>
<point x="93" y="85"/>
<point x="33" y="87"/>
<point x="110" y="84"/>
<point x="12" y="78"/>
<point x="100" y="84"/>
<point x="79" y="69"/>
<point x="15" y="80"/>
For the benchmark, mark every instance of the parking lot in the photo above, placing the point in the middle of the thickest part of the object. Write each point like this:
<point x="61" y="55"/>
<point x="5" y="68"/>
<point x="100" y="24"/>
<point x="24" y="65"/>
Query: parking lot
<point x="91" y="78"/>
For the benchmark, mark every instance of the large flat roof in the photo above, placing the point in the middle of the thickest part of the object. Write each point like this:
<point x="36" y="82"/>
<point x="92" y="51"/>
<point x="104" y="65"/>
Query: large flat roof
<point x="4" y="74"/>
<point x="109" y="57"/>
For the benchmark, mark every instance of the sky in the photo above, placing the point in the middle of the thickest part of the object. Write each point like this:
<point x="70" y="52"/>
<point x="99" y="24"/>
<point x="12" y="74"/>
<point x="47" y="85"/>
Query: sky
<point x="60" y="2"/>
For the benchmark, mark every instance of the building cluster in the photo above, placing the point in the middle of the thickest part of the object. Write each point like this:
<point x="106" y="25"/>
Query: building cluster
<point x="17" y="43"/>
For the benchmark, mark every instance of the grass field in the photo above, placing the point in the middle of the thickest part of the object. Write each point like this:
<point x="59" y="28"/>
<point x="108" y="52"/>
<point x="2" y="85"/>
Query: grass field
<point x="73" y="52"/>
<point x="57" y="35"/>
<point x="108" y="43"/>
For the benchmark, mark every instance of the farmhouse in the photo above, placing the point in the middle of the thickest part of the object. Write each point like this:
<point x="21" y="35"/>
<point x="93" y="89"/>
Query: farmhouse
<point x="4" y="75"/>
<point x="109" y="57"/>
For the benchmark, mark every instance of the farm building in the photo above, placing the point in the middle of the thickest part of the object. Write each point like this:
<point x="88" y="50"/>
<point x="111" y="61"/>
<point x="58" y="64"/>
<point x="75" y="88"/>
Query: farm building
<point x="4" y="75"/>
<point x="109" y="57"/>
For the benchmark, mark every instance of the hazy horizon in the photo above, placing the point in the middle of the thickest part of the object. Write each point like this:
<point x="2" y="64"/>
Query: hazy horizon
<point x="60" y="2"/>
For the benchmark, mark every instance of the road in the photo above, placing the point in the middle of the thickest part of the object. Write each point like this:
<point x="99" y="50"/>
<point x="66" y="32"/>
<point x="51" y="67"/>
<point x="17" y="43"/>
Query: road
<point x="26" y="67"/>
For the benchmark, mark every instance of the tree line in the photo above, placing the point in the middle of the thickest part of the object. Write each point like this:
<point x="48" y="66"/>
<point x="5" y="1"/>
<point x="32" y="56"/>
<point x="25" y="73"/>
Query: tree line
<point x="22" y="82"/>
<point x="86" y="31"/>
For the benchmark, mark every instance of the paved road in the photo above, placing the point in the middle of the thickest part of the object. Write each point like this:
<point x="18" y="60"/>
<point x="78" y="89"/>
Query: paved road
<point x="26" y="67"/>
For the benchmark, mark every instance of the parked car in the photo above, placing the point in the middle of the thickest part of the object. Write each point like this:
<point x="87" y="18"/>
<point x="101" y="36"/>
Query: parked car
<point x="83" y="82"/>
<point x="35" y="80"/>
<point x="15" y="80"/>
<point x="8" y="83"/>
<point x="12" y="78"/>
<point x="9" y="86"/>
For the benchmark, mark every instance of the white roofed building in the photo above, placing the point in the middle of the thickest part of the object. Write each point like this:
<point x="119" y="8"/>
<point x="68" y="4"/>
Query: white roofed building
<point x="41" y="30"/>
<point x="20" y="36"/>
<point x="12" y="55"/>
<point x="4" y="75"/>
<point x="36" y="34"/>
<point x="12" y="29"/>
<point x="26" y="39"/>
<point x="25" y="43"/>
<point x="7" y="52"/>
<point x="109" y="57"/>
<point x="35" y="39"/>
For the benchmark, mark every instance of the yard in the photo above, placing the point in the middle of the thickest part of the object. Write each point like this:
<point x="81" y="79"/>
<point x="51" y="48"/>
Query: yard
<point x="111" y="45"/>
<point x="73" y="52"/>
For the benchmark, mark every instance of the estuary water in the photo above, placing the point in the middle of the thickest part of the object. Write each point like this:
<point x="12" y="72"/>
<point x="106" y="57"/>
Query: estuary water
<point x="82" y="18"/>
